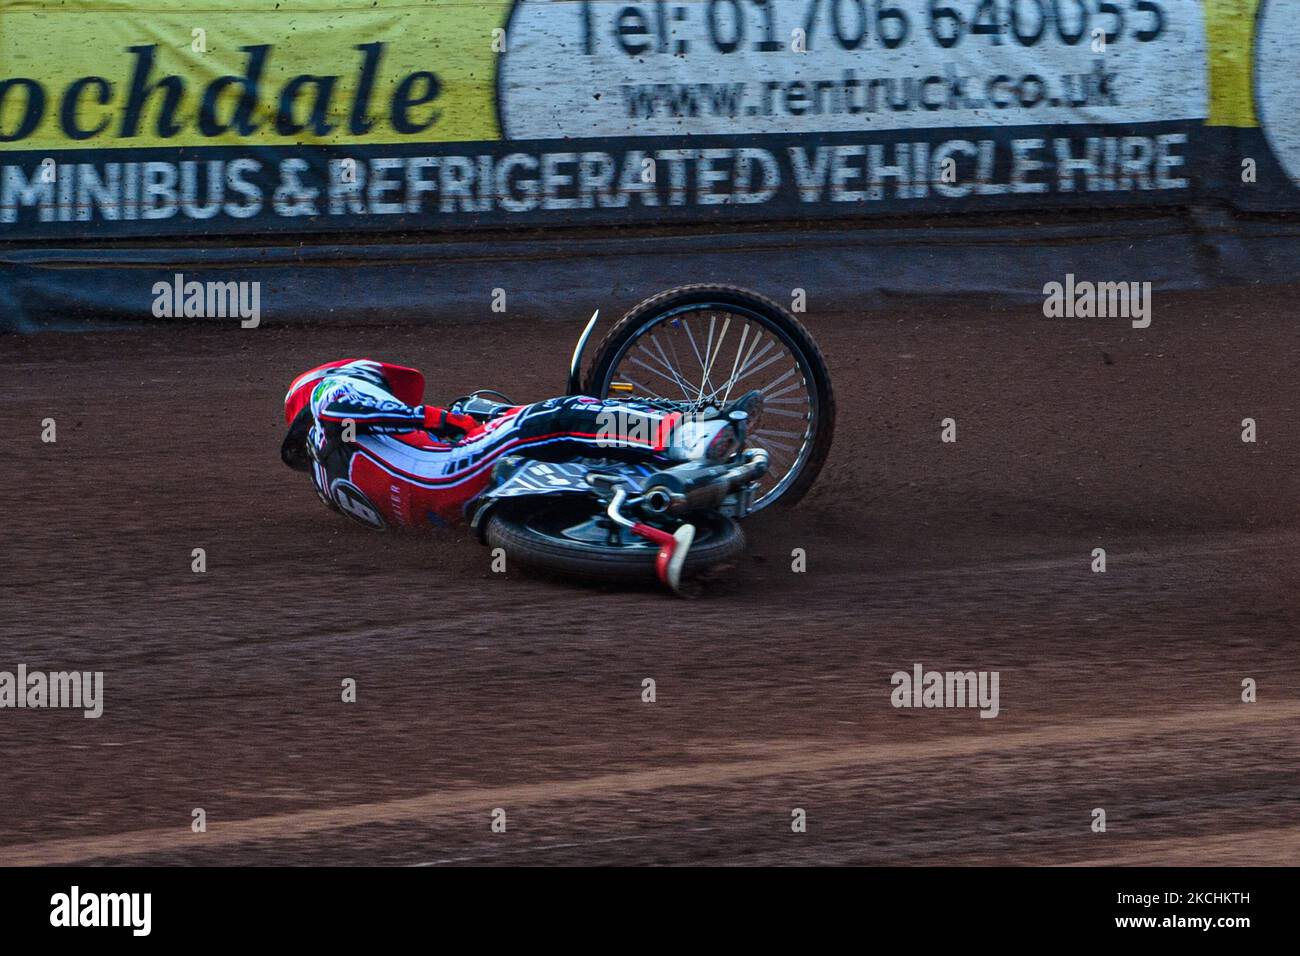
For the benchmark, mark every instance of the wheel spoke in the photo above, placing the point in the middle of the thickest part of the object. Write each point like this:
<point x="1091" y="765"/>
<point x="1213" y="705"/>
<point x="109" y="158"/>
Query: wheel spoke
<point x="686" y="326"/>
<point x="672" y="347"/>
<point x="650" y="368"/>
<point x="708" y="372"/>
<point x="740" y="348"/>
<point x="749" y="366"/>
<point x="793" y="385"/>
<point x="764" y="389"/>
<point x="762" y="437"/>
<point x="750" y="362"/>
<point x="774" y="358"/>
<point x="708" y="347"/>
<point x="762" y="360"/>
<point x="777" y="454"/>
<point x="669" y="365"/>
<point x="635" y="384"/>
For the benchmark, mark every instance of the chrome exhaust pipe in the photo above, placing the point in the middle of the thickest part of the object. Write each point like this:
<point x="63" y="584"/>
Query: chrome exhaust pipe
<point x="663" y="499"/>
<point x="659" y="500"/>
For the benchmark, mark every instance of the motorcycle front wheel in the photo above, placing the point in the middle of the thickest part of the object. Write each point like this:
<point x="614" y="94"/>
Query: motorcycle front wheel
<point x="706" y="345"/>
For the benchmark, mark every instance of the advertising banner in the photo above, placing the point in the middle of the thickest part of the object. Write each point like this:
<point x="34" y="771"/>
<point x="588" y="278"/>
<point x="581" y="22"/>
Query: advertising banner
<point x="123" y="118"/>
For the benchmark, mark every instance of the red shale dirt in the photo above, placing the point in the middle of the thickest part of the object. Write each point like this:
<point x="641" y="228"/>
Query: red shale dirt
<point x="478" y="690"/>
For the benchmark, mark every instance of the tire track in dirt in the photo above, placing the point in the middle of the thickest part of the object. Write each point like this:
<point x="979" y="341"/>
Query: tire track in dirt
<point x="785" y="757"/>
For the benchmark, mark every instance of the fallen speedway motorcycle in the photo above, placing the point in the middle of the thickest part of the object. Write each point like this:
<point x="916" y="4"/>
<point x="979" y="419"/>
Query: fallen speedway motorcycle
<point x="749" y="398"/>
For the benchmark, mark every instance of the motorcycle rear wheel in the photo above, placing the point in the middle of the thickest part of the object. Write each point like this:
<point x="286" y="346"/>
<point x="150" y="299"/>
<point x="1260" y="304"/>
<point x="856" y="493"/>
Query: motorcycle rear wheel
<point x="538" y="539"/>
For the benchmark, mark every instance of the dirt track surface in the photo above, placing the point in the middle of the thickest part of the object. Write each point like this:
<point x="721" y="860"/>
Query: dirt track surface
<point x="478" y="690"/>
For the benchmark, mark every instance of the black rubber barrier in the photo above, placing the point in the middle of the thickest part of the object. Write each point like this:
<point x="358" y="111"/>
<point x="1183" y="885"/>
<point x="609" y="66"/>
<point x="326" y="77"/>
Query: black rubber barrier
<point x="566" y="277"/>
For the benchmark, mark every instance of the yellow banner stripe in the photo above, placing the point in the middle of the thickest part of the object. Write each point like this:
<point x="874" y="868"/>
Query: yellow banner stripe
<point x="432" y="76"/>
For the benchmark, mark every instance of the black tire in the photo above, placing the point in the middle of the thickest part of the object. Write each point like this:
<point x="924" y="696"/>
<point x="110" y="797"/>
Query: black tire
<point x="718" y="540"/>
<point x="779" y="319"/>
